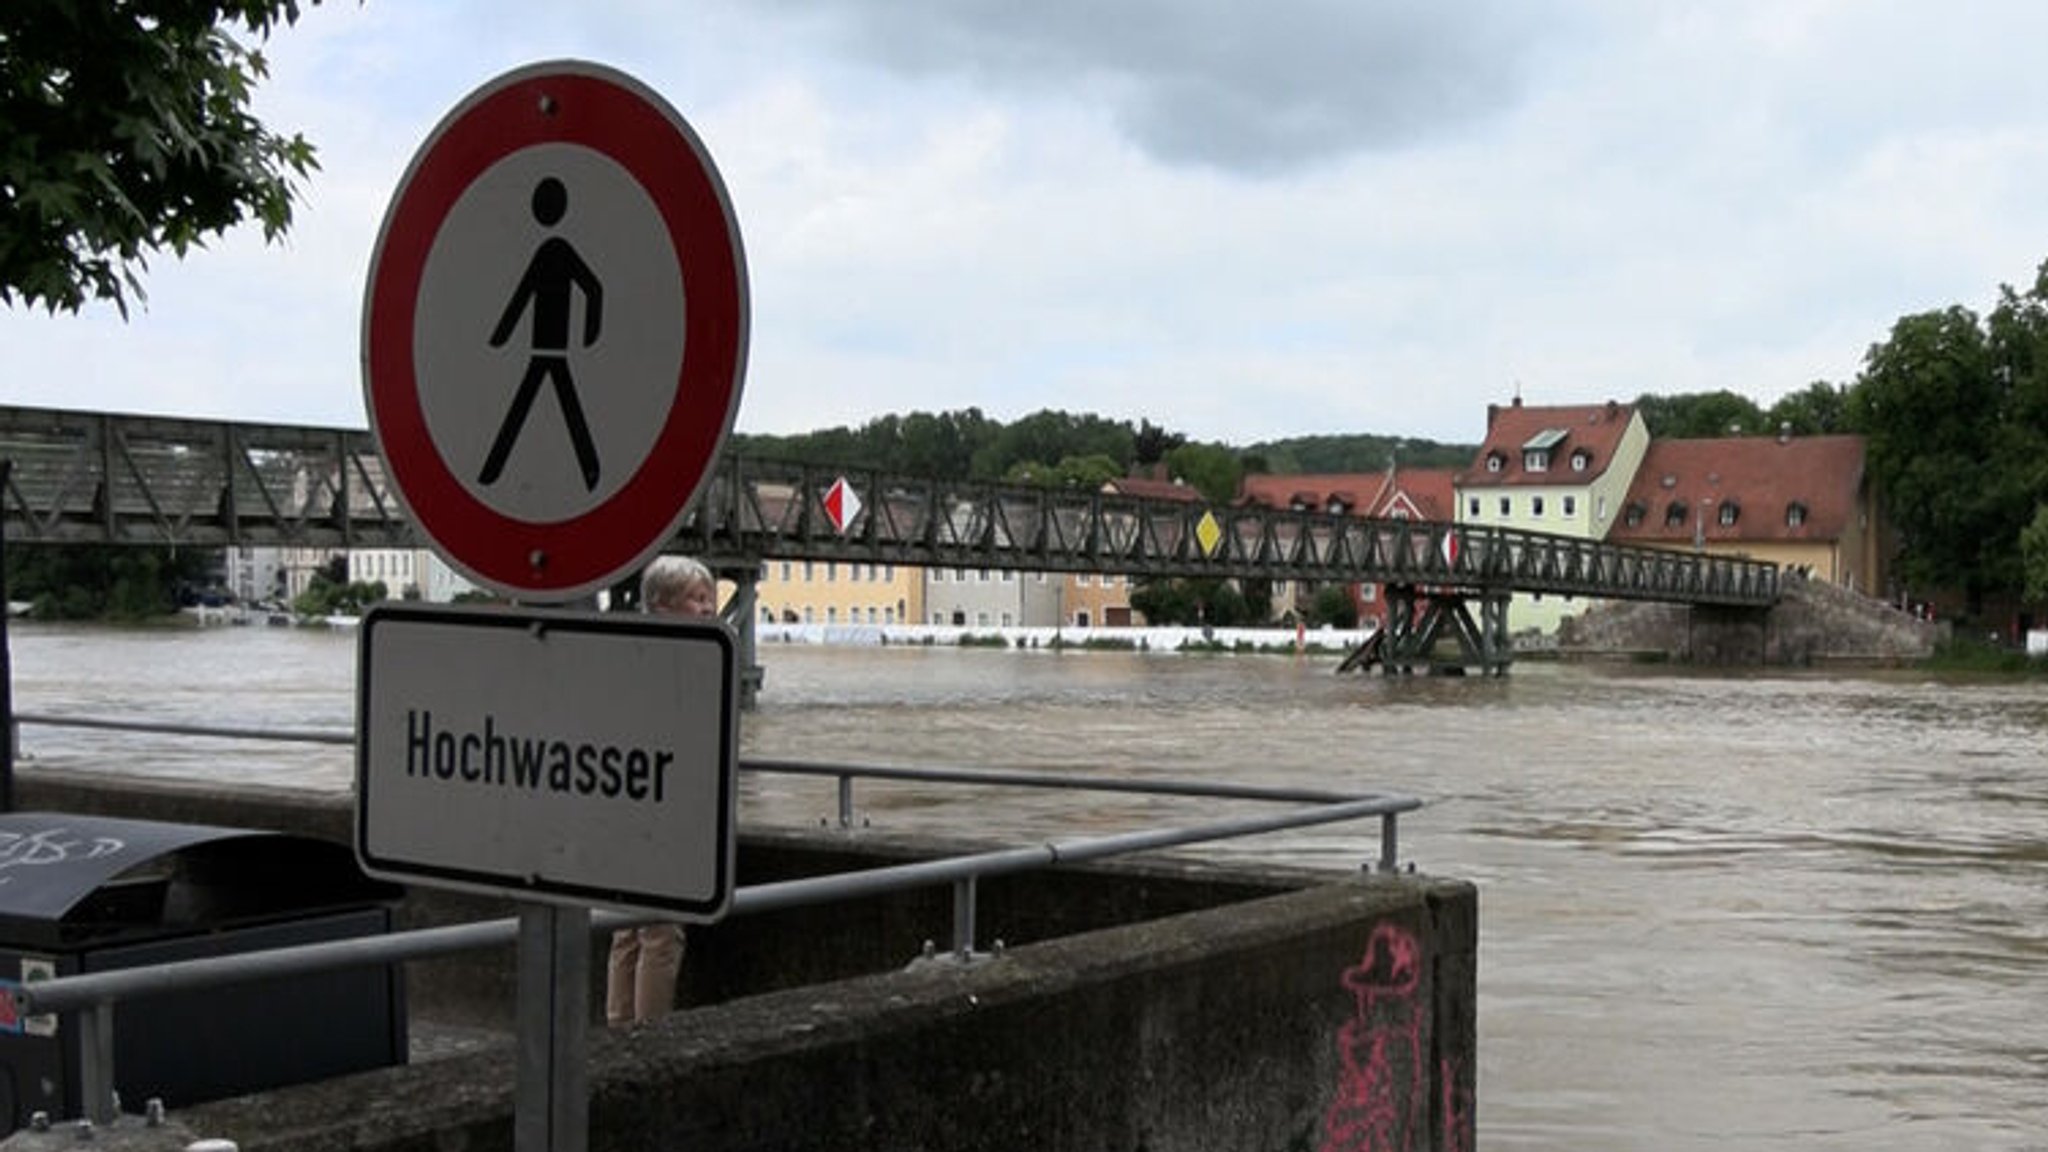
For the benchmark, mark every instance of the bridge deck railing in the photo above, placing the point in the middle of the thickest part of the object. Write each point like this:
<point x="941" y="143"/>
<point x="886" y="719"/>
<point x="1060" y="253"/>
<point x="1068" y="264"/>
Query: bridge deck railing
<point x="155" y="480"/>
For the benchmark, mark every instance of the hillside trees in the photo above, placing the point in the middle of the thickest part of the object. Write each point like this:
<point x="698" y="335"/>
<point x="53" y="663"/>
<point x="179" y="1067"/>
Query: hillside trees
<point x="1821" y="409"/>
<point x="125" y="131"/>
<point x="91" y="581"/>
<point x="2034" y="554"/>
<point x="1213" y="469"/>
<point x="1701" y="415"/>
<point x="1952" y="409"/>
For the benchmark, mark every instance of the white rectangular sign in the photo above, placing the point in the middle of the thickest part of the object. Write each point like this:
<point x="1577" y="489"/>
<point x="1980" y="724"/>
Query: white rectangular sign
<point x="570" y="757"/>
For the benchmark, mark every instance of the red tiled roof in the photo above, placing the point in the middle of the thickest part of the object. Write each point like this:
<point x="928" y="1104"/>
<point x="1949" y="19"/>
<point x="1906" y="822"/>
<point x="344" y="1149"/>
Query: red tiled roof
<point x="1312" y="490"/>
<point x="1594" y="428"/>
<point x="1762" y="476"/>
<point x="1424" y="493"/>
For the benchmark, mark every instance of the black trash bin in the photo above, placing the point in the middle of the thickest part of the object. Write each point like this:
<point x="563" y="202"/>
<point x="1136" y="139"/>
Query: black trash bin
<point x="89" y="893"/>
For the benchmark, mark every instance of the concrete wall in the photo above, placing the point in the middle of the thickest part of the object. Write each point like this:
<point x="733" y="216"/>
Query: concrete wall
<point x="1148" y="1003"/>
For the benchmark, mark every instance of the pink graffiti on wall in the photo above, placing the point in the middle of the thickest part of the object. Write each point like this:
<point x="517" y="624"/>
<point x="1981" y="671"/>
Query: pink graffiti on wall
<point x="1458" y="1129"/>
<point x="1382" y="1097"/>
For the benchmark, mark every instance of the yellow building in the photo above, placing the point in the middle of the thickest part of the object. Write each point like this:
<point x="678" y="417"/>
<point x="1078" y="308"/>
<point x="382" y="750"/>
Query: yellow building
<point x="838" y="592"/>
<point x="1564" y="470"/>
<point x="1802" y="502"/>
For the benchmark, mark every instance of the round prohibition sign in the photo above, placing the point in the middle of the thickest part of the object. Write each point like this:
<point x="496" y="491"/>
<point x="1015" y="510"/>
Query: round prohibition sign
<point x="555" y="330"/>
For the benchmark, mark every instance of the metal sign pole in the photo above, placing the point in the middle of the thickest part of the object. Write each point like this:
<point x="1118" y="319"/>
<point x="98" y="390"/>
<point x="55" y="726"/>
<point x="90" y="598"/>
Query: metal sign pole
<point x="7" y="733"/>
<point x="551" y="1108"/>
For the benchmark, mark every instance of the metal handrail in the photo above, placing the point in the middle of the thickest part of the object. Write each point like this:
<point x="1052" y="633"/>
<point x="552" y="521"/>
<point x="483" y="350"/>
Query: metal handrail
<point x="99" y="989"/>
<point x="93" y="996"/>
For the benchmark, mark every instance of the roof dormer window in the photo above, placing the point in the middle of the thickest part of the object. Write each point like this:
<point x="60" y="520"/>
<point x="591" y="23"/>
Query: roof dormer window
<point x="1495" y="461"/>
<point x="1633" y="515"/>
<point x="1795" y="514"/>
<point x="1582" y="459"/>
<point x="1674" y="514"/>
<point x="1536" y="453"/>
<point x="1730" y="511"/>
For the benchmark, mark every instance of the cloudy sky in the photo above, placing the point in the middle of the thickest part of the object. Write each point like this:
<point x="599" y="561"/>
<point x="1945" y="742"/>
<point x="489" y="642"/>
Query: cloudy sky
<point x="1242" y="221"/>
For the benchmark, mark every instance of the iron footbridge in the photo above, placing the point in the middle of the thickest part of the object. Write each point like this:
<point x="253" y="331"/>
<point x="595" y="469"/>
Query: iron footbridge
<point x="85" y="477"/>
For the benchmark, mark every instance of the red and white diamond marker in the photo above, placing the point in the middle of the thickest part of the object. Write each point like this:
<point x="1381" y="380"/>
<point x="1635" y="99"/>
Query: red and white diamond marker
<point x="842" y="504"/>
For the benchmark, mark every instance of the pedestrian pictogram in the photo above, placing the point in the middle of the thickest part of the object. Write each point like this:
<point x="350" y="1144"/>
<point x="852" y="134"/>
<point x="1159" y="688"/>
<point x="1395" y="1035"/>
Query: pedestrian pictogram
<point x="555" y="330"/>
<point x="553" y="273"/>
<point x="842" y="504"/>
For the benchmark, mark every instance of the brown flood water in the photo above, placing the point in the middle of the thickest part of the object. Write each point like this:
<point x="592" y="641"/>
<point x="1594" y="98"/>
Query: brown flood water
<point x="1751" y="911"/>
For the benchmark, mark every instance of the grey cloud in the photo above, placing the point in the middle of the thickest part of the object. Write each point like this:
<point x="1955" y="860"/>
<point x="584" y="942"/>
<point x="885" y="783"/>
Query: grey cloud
<point x="1250" y="86"/>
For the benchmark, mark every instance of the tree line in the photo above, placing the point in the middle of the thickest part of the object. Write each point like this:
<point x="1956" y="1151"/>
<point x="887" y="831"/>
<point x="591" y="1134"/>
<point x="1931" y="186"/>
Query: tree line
<point x="1065" y="449"/>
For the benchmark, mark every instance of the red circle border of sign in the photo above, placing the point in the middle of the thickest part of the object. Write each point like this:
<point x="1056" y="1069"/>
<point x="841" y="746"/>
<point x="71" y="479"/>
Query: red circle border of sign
<point x="606" y="111"/>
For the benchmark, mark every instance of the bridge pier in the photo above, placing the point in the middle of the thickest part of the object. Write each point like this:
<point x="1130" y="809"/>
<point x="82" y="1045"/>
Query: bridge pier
<point x="1417" y="622"/>
<point x="1727" y="636"/>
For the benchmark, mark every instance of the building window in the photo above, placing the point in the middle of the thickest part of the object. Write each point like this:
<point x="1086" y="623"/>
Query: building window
<point x="1472" y="507"/>
<point x="1505" y="508"/>
<point x="807" y="576"/>
<point x="808" y="615"/>
<point x="1729" y="512"/>
<point x="1082" y="579"/>
<point x="1571" y="505"/>
<point x="1535" y="506"/>
<point x="831" y="571"/>
<point x="1581" y="460"/>
<point x="831" y="614"/>
<point x="981" y="619"/>
<point x="1495" y="461"/>
<point x="1009" y="577"/>
<point x="1674" y="514"/>
<point x="1536" y="453"/>
<point x="1006" y="619"/>
<point x="889" y="573"/>
<point x="888" y="616"/>
<point x="983" y="575"/>
<point x="1635" y="513"/>
<point x="767" y="615"/>
<point x="1795" y="514"/>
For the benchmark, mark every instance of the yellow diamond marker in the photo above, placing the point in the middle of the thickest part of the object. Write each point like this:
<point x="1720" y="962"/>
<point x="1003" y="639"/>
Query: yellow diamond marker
<point x="1208" y="533"/>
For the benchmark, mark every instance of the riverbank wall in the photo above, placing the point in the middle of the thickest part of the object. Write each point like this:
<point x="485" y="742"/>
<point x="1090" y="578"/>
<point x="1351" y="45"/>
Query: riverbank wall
<point x="1814" y="624"/>
<point x="1148" y="1002"/>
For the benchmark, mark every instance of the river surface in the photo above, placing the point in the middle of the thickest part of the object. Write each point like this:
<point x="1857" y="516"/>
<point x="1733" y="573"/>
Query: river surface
<point x="1740" y="911"/>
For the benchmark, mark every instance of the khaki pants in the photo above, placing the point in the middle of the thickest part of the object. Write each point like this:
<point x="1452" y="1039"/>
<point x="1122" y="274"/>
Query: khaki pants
<point x="640" y="977"/>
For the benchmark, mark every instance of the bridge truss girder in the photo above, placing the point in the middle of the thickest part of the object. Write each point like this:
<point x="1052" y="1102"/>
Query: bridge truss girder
<point x="95" y="477"/>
